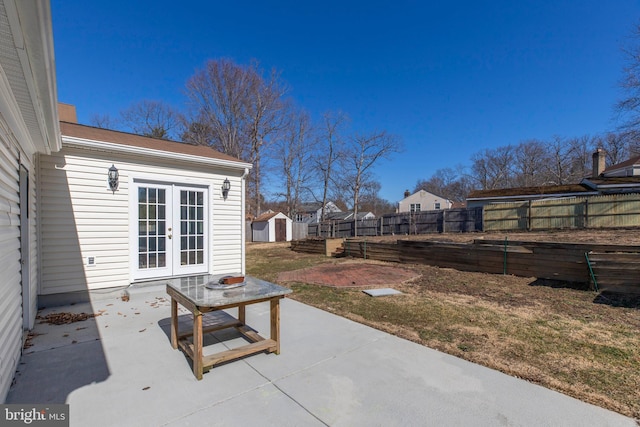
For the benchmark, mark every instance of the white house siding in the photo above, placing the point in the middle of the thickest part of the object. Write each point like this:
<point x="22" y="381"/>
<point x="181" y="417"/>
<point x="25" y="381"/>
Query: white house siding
<point x="10" y="285"/>
<point x="426" y="200"/>
<point x="80" y="217"/>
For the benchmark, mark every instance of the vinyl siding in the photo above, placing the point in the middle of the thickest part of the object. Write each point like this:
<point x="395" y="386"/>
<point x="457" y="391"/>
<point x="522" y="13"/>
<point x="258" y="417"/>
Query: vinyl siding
<point x="80" y="217"/>
<point x="10" y="285"/>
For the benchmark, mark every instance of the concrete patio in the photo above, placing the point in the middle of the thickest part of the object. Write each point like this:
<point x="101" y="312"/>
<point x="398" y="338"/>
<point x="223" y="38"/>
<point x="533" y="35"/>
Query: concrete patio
<point x="119" y="369"/>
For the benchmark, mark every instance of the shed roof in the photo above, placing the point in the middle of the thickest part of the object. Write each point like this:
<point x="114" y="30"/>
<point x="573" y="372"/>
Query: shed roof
<point x="268" y="215"/>
<point x="129" y="139"/>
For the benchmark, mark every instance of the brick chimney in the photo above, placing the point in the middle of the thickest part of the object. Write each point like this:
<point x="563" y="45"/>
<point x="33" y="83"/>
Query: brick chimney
<point x="598" y="163"/>
<point x="67" y="113"/>
<point x="406" y="193"/>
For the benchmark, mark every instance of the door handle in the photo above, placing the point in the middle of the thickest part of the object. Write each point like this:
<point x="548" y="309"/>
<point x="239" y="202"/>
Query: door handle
<point x="169" y="236"/>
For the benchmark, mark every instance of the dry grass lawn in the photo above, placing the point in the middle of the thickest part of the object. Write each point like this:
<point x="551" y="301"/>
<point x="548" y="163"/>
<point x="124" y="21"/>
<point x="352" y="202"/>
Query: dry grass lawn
<point x="567" y="339"/>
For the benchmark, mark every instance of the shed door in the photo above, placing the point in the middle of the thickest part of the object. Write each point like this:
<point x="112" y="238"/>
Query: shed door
<point x="281" y="230"/>
<point x="171" y="226"/>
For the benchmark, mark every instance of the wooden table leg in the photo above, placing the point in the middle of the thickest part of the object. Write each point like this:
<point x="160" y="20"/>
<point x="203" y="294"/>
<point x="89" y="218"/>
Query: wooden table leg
<point x="242" y="314"/>
<point x="174" y="323"/>
<point x="275" y="322"/>
<point x="197" y="344"/>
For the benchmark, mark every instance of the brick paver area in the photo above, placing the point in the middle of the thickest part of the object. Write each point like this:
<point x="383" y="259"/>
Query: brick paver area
<point x="349" y="275"/>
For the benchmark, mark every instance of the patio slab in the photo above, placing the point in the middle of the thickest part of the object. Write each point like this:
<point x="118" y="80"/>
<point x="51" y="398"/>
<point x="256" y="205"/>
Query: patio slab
<point x="119" y="369"/>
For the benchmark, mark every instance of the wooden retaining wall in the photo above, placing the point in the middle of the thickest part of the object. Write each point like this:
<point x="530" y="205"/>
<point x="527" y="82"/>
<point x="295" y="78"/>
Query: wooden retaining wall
<point x="317" y="245"/>
<point x="615" y="267"/>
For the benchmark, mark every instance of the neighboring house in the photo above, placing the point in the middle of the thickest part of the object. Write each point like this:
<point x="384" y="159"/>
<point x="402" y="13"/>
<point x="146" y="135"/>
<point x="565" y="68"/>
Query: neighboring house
<point x="311" y="213"/>
<point x="347" y="216"/>
<point x="64" y="230"/>
<point x="422" y="201"/>
<point x="272" y="227"/>
<point x="28" y="128"/>
<point x="623" y="177"/>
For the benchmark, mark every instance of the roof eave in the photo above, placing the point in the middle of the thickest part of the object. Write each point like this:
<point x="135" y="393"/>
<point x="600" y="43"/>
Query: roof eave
<point x="71" y="141"/>
<point x="31" y="28"/>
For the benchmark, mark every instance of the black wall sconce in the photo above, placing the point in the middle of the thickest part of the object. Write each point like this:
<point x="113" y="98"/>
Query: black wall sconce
<point x="226" y="186"/>
<point x="113" y="178"/>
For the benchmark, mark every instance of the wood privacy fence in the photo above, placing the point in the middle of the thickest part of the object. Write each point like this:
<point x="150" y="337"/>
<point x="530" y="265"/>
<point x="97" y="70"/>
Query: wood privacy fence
<point x="615" y="210"/>
<point x="614" y="267"/>
<point x="610" y="211"/>
<point x="440" y="221"/>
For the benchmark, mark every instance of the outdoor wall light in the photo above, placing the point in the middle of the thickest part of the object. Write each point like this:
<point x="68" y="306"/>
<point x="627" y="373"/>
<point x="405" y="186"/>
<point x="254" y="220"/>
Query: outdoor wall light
<point x="226" y="186"/>
<point x="113" y="178"/>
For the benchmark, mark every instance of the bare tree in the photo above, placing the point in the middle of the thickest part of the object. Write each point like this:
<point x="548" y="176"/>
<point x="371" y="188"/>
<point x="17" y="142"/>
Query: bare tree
<point x="267" y="117"/>
<point x="330" y="148"/>
<point x="559" y="166"/>
<point x="219" y="97"/>
<point x="581" y="150"/>
<point x="104" y="121"/>
<point x="237" y="111"/>
<point x="615" y="145"/>
<point x="530" y="160"/>
<point x="155" y="119"/>
<point x="628" y="108"/>
<point x="294" y="151"/>
<point x="361" y="155"/>
<point x="492" y="168"/>
<point x="450" y="183"/>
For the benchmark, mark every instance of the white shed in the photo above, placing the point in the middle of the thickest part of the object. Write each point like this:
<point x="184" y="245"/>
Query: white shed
<point x="272" y="227"/>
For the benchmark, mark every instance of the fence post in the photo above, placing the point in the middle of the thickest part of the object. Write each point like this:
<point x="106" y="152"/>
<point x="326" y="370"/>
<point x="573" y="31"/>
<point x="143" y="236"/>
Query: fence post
<point x="586" y="212"/>
<point x="529" y="216"/>
<point x="444" y="221"/>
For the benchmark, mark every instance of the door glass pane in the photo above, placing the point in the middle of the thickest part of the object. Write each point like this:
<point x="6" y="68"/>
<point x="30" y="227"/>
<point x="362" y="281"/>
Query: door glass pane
<point x="191" y="227"/>
<point x="151" y="229"/>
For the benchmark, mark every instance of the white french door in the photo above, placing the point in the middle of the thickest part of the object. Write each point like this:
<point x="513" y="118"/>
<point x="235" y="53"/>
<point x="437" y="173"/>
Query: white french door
<point x="171" y="230"/>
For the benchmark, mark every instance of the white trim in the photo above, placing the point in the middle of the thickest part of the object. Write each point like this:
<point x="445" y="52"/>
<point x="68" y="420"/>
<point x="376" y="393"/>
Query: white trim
<point x="128" y="149"/>
<point x="36" y="57"/>
<point x="134" y="273"/>
<point x="243" y="220"/>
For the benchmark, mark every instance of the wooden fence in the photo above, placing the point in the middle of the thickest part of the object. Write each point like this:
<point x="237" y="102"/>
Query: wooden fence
<point x="610" y="211"/>
<point x="615" y="210"/>
<point x="440" y="221"/>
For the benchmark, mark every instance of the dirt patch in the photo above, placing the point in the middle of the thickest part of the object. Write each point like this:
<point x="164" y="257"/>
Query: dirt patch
<point x="350" y="275"/>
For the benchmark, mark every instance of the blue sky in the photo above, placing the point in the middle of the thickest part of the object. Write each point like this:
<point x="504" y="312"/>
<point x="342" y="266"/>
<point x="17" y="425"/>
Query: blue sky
<point x="450" y="78"/>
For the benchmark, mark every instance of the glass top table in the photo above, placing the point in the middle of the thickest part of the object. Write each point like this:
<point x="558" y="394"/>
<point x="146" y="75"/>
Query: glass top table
<point x="194" y="293"/>
<point x="195" y="290"/>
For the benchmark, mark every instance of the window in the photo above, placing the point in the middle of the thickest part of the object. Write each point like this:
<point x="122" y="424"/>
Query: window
<point x="415" y="207"/>
<point x="437" y="205"/>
